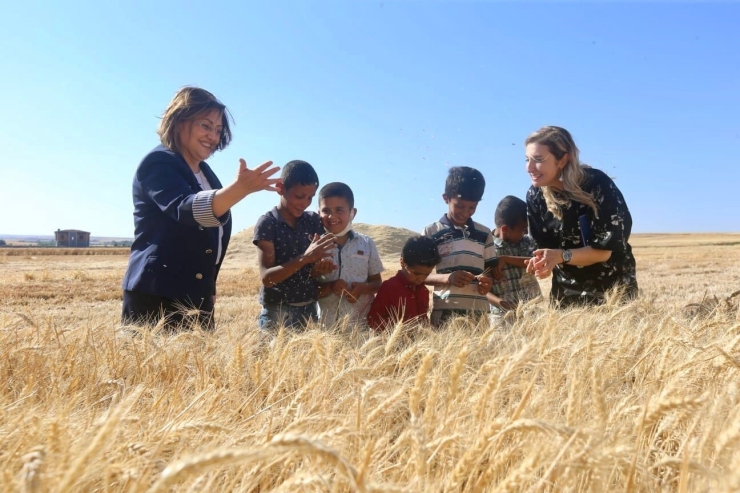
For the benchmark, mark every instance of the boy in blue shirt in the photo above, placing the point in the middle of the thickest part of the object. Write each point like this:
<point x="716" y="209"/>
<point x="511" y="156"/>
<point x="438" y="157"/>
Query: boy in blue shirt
<point x="463" y="277"/>
<point x="291" y="251"/>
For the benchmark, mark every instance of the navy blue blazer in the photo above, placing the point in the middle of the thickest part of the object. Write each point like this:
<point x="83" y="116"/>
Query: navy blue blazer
<point x="173" y="254"/>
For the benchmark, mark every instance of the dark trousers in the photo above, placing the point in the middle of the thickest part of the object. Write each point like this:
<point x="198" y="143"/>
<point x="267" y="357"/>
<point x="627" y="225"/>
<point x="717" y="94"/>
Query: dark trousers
<point x="562" y="298"/>
<point x="143" y="309"/>
<point x="272" y="316"/>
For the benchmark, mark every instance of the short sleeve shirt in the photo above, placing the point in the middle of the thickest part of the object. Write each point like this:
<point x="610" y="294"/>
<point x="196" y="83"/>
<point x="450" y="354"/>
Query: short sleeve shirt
<point x="515" y="284"/>
<point x="289" y="243"/>
<point x="468" y="248"/>
<point x="398" y="299"/>
<point x="357" y="260"/>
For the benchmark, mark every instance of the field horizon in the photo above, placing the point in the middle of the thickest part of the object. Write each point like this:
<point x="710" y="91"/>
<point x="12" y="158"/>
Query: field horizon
<point x="27" y="238"/>
<point x="641" y="397"/>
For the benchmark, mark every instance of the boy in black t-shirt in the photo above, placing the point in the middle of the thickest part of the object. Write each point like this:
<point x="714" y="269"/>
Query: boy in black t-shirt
<point x="291" y="251"/>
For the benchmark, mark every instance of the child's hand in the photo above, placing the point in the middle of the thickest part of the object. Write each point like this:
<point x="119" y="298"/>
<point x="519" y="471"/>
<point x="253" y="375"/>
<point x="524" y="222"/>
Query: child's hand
<point x="484" y="284"/>
<point x="319" y="248"/>
<point x="460" y="278"/>
<point x="323" y="267"/>
<point x="358" y="289"/>
<point x="530" y="265"/>
<point x="339" y="287"/>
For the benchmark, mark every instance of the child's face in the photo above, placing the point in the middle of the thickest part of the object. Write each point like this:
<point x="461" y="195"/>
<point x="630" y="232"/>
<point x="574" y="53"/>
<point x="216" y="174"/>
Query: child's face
<point x="335" y="213"/>
<point x="460" y="210"/>
<point x="515" y="234"/>
<point x="296" y="199"/>
<point x="415" y="274"/>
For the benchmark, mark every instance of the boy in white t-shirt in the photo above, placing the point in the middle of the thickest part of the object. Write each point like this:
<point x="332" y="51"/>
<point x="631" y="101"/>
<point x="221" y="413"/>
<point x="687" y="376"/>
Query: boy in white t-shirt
<point x="346" y="293"/>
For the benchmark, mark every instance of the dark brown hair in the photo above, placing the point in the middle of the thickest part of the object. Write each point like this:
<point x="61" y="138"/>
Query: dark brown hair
<point x="188" y="104"/>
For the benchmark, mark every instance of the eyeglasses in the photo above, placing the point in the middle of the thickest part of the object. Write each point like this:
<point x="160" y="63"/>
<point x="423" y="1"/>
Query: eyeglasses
<point x="209" y="128"/>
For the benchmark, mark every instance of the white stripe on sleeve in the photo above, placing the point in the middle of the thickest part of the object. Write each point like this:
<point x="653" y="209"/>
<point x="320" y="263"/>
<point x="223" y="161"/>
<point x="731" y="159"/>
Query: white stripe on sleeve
<point x="203" y="209"/>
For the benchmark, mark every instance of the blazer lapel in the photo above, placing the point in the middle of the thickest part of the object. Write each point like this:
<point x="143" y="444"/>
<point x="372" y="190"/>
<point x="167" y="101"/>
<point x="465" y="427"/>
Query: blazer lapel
<point x="210" y="175"/>
<point x="185" y="171"/>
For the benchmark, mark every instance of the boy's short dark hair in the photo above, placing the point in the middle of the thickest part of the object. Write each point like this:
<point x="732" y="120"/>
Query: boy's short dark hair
<point x="511" y="212"/>
<point x="298" y="172"/>
<point x="338" y="189"/>
<point x="420" y="250"/>
<point x="466" y="183"/>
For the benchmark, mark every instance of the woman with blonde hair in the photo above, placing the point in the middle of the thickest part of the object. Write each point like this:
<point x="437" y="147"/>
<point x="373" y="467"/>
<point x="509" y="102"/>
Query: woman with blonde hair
<point x="580" y="222"/>
<point x="182" y="216"/>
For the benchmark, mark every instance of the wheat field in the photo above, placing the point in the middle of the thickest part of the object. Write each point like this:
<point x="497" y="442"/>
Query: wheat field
<point x="637" y="398"/>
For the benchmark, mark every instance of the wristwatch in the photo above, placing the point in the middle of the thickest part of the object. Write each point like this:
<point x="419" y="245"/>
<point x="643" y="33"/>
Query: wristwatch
<point x="567" y="256"/>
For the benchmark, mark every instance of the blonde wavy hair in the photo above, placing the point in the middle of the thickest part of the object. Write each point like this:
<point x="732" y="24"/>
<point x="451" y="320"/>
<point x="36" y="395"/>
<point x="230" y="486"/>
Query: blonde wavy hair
<point x="559" y="141"/>
<point x="190" y="103"/>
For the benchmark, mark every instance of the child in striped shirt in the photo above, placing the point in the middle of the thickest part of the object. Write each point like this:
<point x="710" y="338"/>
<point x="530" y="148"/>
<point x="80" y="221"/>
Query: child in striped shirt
<point x="464" y="276"/>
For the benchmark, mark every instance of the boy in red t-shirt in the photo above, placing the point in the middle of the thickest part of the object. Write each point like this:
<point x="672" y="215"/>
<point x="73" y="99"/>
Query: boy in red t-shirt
<point x="404" y="297"/>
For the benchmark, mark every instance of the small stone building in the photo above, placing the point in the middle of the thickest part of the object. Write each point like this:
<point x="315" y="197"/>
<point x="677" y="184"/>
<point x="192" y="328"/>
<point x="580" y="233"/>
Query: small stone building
<point x="72" y="238"/>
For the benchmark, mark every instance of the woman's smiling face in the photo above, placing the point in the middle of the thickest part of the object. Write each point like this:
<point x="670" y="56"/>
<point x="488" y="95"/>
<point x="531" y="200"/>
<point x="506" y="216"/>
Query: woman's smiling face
<point x="199" y="137"/>
<point x="544" y="170"/>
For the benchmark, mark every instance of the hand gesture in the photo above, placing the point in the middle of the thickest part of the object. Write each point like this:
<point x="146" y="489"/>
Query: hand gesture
<point x="319" y="248"/>
<point x="357" y="290"/>
<point x="543" y="262"/>
<point x="484" y="284"/>
<point x="323" y="267"/>
<point x="460" y="278"/>
<point x="339" y="287"/>
<point x="254" y="180"/>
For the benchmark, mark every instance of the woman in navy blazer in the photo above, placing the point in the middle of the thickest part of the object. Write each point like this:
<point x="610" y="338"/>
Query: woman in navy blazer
<point x="182" y="215"/>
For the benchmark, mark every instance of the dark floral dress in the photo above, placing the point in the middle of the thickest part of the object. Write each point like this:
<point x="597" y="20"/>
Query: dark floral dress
<point x="580" y="227"/>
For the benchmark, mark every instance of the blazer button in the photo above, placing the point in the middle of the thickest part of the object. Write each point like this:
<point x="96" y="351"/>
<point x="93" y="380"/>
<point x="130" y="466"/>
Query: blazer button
<point x="199" y="276"/>
<point x="209" y="251"/>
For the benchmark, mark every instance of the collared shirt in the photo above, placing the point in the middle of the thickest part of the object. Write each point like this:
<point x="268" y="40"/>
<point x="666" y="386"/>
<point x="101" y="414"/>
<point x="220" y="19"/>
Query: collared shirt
<point x="398" y="299"/>
<point x="357" y="260"/>
<point x="289" y="243"/>
<point x="468" y="248"/>
<point x="515" y="283"/>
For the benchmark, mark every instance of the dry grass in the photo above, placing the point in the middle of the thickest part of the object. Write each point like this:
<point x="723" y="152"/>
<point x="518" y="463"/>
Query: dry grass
<point x="388" y="240"/>
<point x="46" y="251"/>
<point x="636" y="398"/>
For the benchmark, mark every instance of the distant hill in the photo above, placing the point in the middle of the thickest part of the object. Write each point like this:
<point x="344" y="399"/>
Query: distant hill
<point x="388" y="239"/>
<point x="33" y="240"/>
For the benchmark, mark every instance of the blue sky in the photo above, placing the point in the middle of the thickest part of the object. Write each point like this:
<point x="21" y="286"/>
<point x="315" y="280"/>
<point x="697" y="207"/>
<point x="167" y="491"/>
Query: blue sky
<point x="384" y="96"/>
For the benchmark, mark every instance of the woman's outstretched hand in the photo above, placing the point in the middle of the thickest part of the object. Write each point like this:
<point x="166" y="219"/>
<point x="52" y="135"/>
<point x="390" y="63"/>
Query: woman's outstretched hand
<point x="257" y="179"/>
<point x="247" y="181"/>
